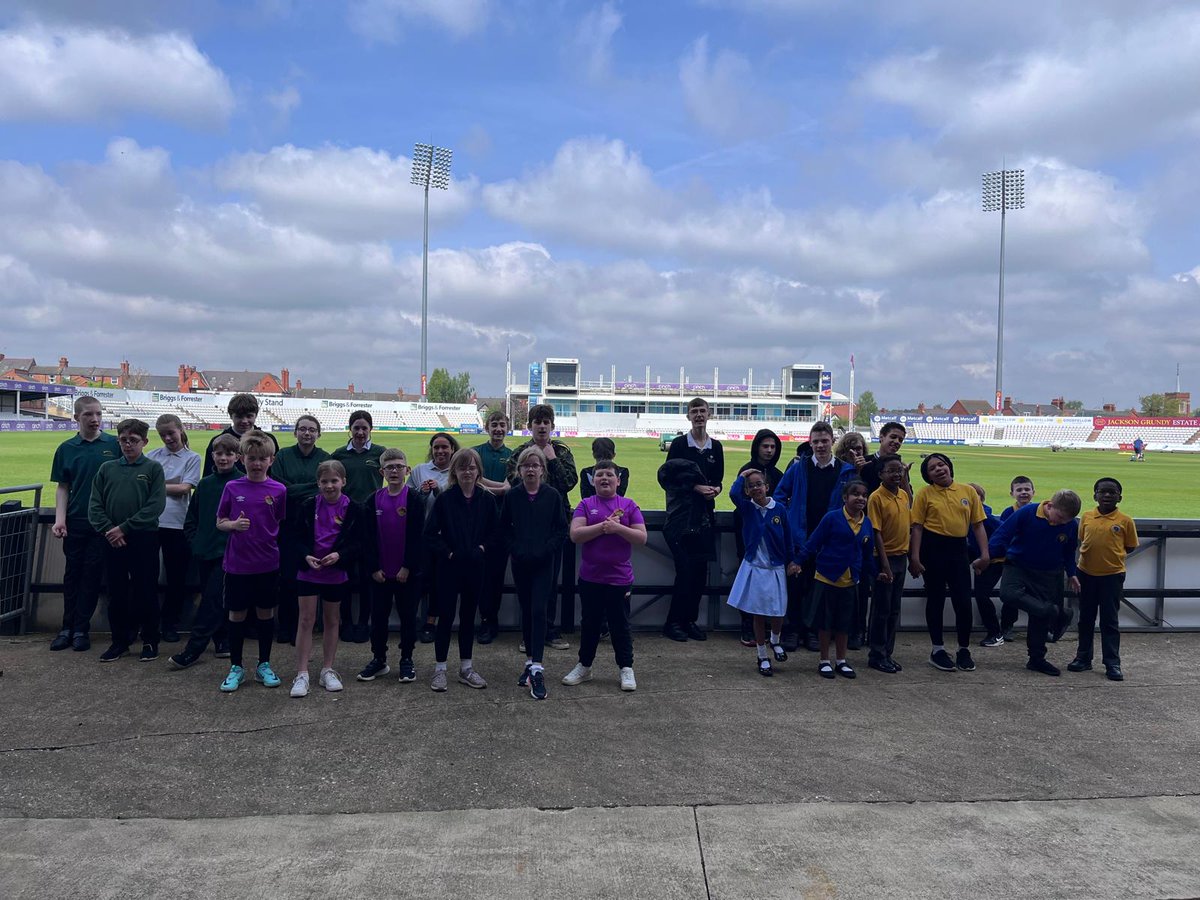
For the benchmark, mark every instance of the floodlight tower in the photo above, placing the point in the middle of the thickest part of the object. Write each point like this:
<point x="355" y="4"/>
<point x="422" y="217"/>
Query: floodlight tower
<point x="430" y="168"/>
<point x="1003" y="190"/>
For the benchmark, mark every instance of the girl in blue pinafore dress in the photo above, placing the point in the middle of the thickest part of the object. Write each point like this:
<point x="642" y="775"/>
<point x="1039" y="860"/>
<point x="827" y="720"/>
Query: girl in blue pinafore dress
<point x="760" y="587"/>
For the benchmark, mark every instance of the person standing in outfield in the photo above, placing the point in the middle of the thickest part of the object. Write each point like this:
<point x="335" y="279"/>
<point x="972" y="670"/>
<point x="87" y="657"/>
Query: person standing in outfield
<point x="75" y="464"/>
<point x="764" y="457"/>
<point x="243" y="412"/>
<point x="560" y="475"/>
<point x="181" y="468"/>
<point x="463" y="524"/>
<point x="890" y="510"/>
<point x="327" y="531"/>
<point x="250" y="511"/>
<point x="988" y="579"/>
<point x="360" y="457"/>
<point x="534" y="525"/>
<point x="602" y="448"/>
<point x="393" y="529"/>
<point x="691" y="478"/>
<point x="891" y="437"/>
<point x="1022" y="491"/>
<point x="838" y="545"/>
<point x="1038" y="544"/>
<point x="942" y="515"/>
<point x="607" y="526"/>
<point x="806" y="490"/>
<point x="295" y="468"/>
<point x="1106" y="535"/>
<point x="128" y="496"/>
<point x="760" y="588"/>
<point x="429" y="479"/>
<point x="494" y="455"/>
<point x="207" y="547"/>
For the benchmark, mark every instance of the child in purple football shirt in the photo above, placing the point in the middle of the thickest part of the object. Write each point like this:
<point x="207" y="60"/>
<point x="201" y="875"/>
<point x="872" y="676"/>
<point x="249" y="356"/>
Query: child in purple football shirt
<point x="607" y="526"/>
<point x="326" y="530"/>
<point x="251" y="511"/>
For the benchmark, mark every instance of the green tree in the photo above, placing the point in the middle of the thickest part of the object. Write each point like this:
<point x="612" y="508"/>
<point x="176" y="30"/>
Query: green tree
<point x="866" y="408"/>
<point x="1076" y="405"/>
<point x="443" y="388"/>
<point x="1158" y="405"/>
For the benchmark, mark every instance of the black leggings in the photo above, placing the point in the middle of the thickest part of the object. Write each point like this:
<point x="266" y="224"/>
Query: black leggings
<point x="176" y="557"/>
<point x="460" y="587"/>
<point x="535" y="593"/>
<point x="947" y="570"/>
<point x="403" y="596"/>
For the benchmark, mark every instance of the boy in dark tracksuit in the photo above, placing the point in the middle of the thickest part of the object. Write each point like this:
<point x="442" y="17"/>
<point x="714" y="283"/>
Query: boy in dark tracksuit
<point x="1038" y="544"/>
<point x="208" y="549"/>
<point x="128" y="496"/>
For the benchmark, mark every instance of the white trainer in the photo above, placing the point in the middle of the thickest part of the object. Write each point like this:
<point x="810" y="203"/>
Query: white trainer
<point x="300" y="685"/>
<point x="330" y="680"/>
<point x="628" y="682"/>
<point x="578" y="675"/>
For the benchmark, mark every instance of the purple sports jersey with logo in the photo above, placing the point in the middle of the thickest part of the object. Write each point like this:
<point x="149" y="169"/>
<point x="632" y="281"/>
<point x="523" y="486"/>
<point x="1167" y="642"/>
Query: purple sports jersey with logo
<point x="606" y="559"/>
<point x="327" y="525"/>
<point x="391" y="522"/>
<point x="255" y="550"/>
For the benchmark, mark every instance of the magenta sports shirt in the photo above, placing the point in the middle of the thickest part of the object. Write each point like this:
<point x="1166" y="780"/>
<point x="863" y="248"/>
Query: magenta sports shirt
<point x="326" y="528"/>
<point x="606" y="559"/>
<point x="256" y="550"/>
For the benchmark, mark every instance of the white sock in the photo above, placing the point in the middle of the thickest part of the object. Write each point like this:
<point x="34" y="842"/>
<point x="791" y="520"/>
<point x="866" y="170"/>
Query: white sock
<point x="762" y="651"/>
<point x="841" y="662"/>
<point x="826" y="662"/>
<point x="937" y="647"/>
<point x="465" y="665"/>
<point x="528" y="661"/>
<point x="535" y="667"/>
<point x="774" y="637"/>
<point x="439" y="667"/>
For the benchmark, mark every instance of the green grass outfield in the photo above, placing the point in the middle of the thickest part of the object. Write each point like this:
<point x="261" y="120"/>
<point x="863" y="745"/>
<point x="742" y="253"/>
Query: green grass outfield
<point x="1164" y="486"/>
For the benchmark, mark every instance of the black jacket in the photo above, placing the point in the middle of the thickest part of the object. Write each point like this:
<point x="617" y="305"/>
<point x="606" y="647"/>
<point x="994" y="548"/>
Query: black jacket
<point x="533" y="530"/>
<point x="460" y="528"/>
<point x="414" y="532"/>
<point x="347" y="545"/>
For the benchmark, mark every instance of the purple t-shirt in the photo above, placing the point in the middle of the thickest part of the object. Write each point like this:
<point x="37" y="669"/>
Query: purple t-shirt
<point x="391" y="523"/>
<point x="255" y="550"/>
<point x="327" y="525"/>
<point x="606" y="559"/>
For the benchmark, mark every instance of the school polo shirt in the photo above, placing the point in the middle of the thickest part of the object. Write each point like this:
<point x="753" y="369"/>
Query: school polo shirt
<point x="948" y="511"/>
<point x="607" y="559"/>
<point x="254" y="551"/>
<point x="891" y="516"/>
<point x="75" y="464"/>
<point x="363" y="473"/>
<point x="1104" y="541"/>
<point x="495" y="462"/>
<point x="180" y="467"/>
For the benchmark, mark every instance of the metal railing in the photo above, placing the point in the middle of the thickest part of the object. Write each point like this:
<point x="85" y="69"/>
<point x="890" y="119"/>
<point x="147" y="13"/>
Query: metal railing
<point x="18" y="544"/>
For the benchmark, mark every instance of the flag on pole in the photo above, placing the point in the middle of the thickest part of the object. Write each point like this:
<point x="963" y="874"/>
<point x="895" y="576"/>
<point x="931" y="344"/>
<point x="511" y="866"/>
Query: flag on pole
<point x="852" y="362"/>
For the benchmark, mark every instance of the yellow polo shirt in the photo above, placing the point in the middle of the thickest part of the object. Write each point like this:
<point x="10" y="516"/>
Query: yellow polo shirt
<point x="948" y="511"/>
<point x="1104" y="542"/>
<point x="891" y="516"/>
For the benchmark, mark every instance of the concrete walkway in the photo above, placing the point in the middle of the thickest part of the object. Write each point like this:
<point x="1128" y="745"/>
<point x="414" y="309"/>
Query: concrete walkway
<point x="709" y="781"/>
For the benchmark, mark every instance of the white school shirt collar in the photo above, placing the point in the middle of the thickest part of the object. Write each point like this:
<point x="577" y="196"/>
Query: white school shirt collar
<point x="832" y="460"/>
<point x="692" y="442"/>
<point x="763" y="510"/>
<point x="365" y="448"/>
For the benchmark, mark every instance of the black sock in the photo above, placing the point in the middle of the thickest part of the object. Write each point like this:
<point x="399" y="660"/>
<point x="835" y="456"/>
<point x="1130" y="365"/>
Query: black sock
<point x="237" y="636"/>
<point x="266" y="634"/>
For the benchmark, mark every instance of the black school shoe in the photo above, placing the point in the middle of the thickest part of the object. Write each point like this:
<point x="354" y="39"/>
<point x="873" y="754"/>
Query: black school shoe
<point x="184" y="660"/>
<point x="675" y="632"/>
<point x="695" y="632"/>
<point x="486" y="634"/>
<point x="1114" y="673"/>
<point x="764" y="668"/>
<point x="114" y="652"/>
<point x="790" y="641"/>
<point x="1044" y="666"/>
<point x="882" y="665"/>
<point x="845" y="670"/>
<point x="1079" y="665"/>
<point x="61" y="641"/>
<point x="81" y="643"/>
<point x="149" y="653"/>
<point x="427" y="633"/>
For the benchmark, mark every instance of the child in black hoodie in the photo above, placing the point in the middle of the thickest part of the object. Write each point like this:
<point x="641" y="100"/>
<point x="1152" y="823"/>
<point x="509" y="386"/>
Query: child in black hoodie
<point x="534" y="523"/>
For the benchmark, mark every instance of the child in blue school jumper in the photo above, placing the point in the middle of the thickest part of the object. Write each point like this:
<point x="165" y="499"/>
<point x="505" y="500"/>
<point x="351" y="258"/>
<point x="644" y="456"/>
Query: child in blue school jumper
<point x="840" y="544"/>
<point x="760" y="588"/>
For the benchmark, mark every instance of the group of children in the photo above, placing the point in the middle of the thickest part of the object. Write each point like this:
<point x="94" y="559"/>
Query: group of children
<point x="827" y="545"/>
<point x="359" y="518"/>
<point x="871" y="538"/>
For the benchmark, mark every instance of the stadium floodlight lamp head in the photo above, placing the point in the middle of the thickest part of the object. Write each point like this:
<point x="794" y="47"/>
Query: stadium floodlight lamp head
<point x="430" y="168"/>
<point x="1002" y="191"/>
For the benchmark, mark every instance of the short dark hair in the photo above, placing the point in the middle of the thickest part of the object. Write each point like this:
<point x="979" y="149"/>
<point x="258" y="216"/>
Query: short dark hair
<point x="137" y="426"/>
<point x="928" y="459"/>
<point x="821" y="428"/>
<point x="853" y="483"/>
<point x="243" y="405"/>
<point x="604" y="448"/>
<point x="888" y="458"/>
<point x="1020" y="479"/>
<point x="85" y="400"/>
<point x="604" y="463"/>
<point x="441" y="434"/>
<point x="696" y="402"/>
<point x="540" y="411"/>
<point x="1100" y="481"/>
<point x="361" y="414"/>
<point x="224" y="441"/>
<point x="890" y="427"/>
<point x="310" y="418"/>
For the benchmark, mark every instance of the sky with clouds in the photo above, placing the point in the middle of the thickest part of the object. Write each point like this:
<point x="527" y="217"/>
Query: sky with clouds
<point x="700" y="183"/>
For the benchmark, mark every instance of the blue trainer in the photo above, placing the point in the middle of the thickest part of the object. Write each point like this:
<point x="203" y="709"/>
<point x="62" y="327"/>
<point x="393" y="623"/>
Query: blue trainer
<point x="234" y="679"/>
<point x="265" y="676"/>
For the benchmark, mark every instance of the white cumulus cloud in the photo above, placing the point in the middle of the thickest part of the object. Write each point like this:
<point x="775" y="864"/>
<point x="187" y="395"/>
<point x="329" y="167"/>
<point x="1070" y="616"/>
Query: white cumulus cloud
<point x="382" y="20"/>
